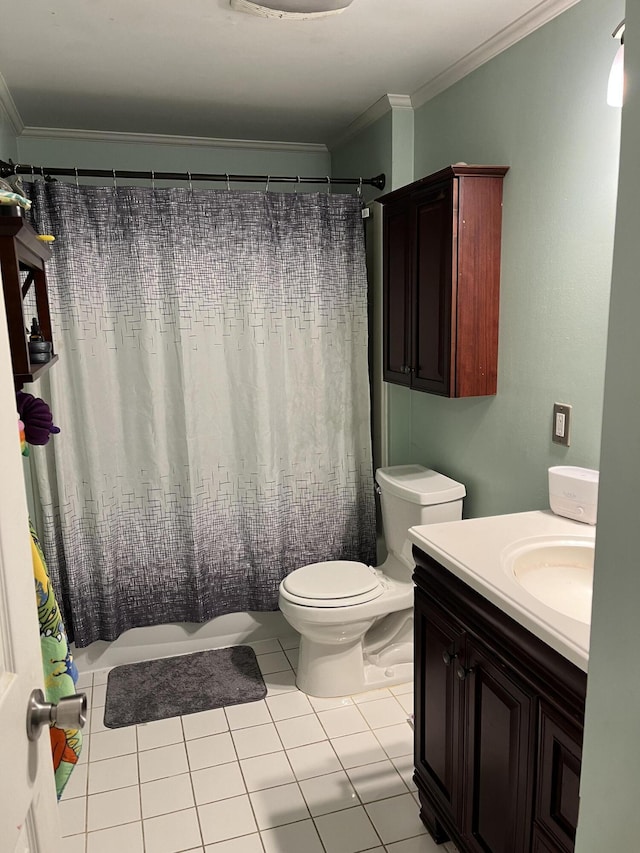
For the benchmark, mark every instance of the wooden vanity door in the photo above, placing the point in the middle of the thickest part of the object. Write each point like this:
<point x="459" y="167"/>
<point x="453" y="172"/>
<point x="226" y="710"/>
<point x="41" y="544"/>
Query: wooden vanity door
<point x="559" y="762"/>
<point x="499" y="754"/>
<point x="439" y="639"/>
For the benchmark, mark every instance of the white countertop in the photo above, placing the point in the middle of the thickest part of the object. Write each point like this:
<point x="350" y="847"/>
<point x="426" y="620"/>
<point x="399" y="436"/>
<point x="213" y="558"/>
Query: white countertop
<point x="471" y="549"/>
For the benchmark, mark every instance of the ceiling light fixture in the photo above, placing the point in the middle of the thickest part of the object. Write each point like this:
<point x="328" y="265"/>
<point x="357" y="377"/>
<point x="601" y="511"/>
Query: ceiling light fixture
<point x="293" y="10"/>
<point x="615" y="89"/>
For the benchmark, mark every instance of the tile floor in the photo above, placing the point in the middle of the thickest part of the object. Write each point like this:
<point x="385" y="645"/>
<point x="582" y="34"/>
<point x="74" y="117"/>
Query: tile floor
<point x="290" y="774"/>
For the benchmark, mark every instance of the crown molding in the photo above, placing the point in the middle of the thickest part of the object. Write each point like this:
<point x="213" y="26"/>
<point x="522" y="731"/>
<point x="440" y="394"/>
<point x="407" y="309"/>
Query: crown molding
<point x="8" y="105"/>
<point x="524" y="26"/>
<point x="168" y="139"/>
<point x="381" y="107"/>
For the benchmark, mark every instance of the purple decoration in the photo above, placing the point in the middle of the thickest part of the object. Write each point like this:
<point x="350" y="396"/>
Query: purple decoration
<point x="37" y="418"/>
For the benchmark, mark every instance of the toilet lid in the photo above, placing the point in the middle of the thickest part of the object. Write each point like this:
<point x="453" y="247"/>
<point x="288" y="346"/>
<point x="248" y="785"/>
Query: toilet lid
<point x="334" y="580"/>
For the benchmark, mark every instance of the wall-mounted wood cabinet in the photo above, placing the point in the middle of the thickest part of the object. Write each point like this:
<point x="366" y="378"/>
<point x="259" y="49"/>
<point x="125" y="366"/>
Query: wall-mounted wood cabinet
<point x="22" y="252"/>
<point x="498" y="724"/>
<point x="441" y="248"/>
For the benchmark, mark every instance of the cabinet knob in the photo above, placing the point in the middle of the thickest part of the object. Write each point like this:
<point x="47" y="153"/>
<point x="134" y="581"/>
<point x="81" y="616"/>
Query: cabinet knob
<point x="448" y="656"/>
<point x="462" y="672"/>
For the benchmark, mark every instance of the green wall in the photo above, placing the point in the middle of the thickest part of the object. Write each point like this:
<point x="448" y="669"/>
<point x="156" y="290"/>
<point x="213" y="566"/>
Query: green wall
<point x="8" y="146"/>
<point x="609" y="814"/>
<point x="368" y="154"/>
<point x="385" y="146"/>
<point x="540" y="108"/>
<point x="89" y="153"/>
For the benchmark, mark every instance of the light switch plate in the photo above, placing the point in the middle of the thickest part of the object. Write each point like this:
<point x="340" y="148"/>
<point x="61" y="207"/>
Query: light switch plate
<point x="561" y="427"/>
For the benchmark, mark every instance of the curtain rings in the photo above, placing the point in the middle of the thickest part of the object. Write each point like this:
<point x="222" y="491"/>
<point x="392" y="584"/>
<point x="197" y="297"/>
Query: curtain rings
<point x="228" y="184"/>
<point x="76" y="171"/>
<point x="153" y="180"/>
<point x="266" y="189"/>
<point x="190" y="182"/>
<point x="115" y="182"/>
<point x="359" y="190"/>
<point x="328" y="185"/>
<point x="295" y="188"/>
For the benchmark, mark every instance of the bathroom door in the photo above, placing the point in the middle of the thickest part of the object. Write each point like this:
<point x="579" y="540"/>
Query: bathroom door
<point x="28" y="809"/>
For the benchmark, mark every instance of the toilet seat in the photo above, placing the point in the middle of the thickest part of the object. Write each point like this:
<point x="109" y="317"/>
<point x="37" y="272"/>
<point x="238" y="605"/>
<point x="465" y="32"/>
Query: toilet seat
<point x="334" y="583"/>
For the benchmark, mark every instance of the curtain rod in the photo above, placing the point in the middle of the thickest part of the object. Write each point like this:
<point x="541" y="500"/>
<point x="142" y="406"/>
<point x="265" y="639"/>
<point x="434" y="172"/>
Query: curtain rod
<point x="9" y="168"/>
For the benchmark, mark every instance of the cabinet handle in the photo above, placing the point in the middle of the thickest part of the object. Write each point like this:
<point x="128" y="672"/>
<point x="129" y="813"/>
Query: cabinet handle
<point x="462" y="672"/>
<point x="448" y="656"/>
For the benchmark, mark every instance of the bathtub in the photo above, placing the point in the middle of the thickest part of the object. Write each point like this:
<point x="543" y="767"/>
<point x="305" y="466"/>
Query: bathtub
<point x="159" y="641"/>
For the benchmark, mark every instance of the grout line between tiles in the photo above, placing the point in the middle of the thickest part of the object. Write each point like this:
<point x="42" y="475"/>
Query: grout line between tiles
<point x="193" y="790"/>
<point x="253" y="811"/>
<point x="358" y="801"/>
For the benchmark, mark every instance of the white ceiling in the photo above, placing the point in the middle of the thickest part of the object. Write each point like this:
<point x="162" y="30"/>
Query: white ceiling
<point x="199" y="68"/>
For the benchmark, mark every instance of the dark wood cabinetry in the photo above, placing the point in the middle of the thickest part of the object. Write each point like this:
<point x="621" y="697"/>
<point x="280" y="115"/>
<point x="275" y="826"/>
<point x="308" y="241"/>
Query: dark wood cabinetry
<point x="438" y="708"/>
<point x="498" y="724"/>
<point x="441" y="249"/>
<point x="22" y="252"/>
<point x="498" y="757"/>
<point x="559" y="760"/>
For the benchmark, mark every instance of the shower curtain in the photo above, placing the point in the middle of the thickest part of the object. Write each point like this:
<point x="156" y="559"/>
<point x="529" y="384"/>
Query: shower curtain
<point x="213" y="396"/>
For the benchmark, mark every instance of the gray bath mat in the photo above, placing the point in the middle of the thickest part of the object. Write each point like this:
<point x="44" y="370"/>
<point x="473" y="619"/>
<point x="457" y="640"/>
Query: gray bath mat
<point x="157" y="689"/>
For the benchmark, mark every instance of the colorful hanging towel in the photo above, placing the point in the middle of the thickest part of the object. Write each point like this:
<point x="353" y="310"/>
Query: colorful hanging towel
<point x="14" y="199"/>
<point x="60" y="672"/>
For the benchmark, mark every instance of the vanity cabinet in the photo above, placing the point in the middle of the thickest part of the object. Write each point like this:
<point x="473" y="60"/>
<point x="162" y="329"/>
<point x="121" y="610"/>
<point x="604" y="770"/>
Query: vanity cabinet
<point x="441" y="281"/>
<point x="498" y="724"/>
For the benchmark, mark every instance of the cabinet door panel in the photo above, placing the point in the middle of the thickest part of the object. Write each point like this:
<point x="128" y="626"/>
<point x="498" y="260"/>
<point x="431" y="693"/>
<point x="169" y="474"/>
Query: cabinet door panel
<point x="498" y="757"/>
<point x="541" y="843"/>
<point x="396" y="297"/>
<point x="560" y="756"/>
<point x="478" y="285"/>
<point x="437" y="703"/>
<point x="432" y="342"/>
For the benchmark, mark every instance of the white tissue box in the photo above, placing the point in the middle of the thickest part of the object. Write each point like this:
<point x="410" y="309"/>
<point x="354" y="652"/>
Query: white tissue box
<point x="573" y="492"/>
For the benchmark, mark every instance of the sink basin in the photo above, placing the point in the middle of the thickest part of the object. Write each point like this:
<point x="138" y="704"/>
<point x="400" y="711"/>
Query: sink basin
<point x="558" y="572"/>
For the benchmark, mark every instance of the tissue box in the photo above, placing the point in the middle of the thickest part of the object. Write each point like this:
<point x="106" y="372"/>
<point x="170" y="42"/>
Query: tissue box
<point x="573" y="492"/>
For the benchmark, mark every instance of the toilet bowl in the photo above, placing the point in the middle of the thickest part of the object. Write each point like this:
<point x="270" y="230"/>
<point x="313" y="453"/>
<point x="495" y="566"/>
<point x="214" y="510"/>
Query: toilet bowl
<point x="356" y="621"/>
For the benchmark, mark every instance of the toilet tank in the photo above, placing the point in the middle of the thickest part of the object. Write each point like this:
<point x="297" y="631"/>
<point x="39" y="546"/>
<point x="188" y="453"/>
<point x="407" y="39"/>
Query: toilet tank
<point x="410" y="495"/>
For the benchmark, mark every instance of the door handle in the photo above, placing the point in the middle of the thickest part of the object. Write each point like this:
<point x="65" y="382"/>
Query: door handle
<point x="69" y="713"/>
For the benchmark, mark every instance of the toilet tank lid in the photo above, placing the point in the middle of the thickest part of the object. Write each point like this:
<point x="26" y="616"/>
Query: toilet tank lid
<point x="419" y="485"/>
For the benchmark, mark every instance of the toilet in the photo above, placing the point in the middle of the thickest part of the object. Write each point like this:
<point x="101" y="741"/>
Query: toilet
<point x="356" y="621"/>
